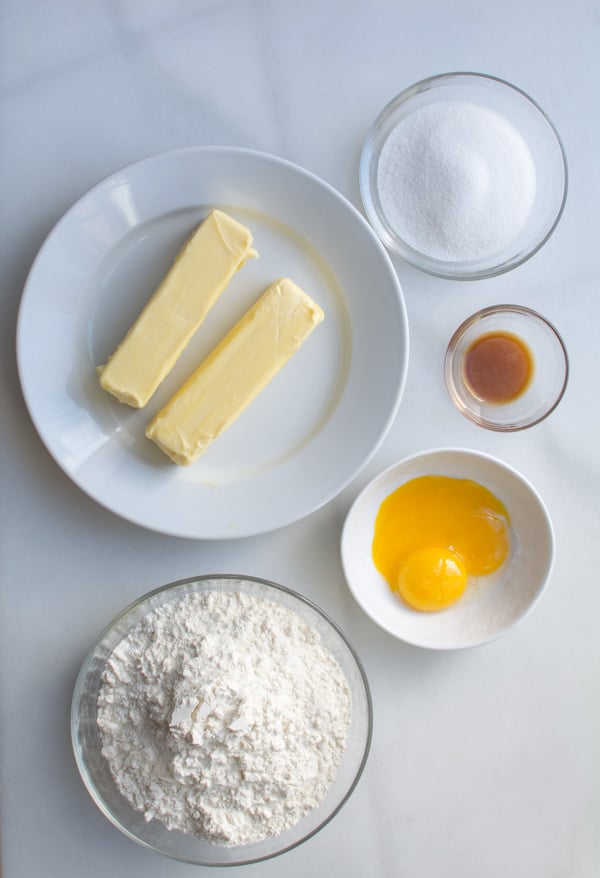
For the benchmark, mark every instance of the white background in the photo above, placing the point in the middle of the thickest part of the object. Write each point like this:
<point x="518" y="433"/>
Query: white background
<point x="485" y="763"/>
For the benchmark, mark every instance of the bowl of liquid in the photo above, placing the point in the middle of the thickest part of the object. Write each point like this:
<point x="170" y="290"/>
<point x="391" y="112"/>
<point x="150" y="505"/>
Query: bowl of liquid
<point x="448" y="549"/>
<point x="506" y="368"/>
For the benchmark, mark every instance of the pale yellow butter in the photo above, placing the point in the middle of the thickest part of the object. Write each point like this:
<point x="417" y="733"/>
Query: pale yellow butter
<point x="235" y="371"/>
<point x="200" y="273"/>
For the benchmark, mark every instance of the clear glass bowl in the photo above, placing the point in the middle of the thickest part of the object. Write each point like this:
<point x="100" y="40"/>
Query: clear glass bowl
<point x="535" y="128"/>
<point x="550" y="368"/>
<point x="95" y="771"/>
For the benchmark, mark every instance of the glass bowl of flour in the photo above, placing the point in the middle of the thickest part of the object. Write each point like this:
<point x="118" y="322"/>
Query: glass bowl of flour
<point x="463" y="176"/>
<point x="221" y="720"/>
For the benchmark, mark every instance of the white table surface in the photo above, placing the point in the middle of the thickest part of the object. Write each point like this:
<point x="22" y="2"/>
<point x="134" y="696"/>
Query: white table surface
<point x="485" y="763"/>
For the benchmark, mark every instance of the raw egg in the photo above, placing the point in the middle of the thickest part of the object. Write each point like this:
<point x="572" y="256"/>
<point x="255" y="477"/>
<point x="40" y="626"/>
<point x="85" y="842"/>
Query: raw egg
<point x="433" y="532"/>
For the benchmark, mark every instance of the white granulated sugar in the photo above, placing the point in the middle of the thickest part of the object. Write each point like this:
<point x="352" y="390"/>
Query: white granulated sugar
<point x="221" y="714"/>
<point x="456" y="181"/>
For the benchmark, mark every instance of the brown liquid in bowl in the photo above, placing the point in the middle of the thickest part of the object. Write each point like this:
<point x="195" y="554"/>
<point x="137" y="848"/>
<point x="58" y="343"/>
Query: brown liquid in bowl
<point x="498" y="367"/>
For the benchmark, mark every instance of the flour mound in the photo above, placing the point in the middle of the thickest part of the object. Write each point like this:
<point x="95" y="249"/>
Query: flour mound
<point x="223" y="715"/>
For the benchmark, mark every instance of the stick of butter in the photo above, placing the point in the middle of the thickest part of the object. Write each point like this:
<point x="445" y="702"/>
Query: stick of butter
<point x="200" y="273"/>
<point x="235" y="372"/>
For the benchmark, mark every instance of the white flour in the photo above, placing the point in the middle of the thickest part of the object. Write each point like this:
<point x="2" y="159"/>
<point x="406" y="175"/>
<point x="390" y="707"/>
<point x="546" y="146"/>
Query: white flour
<point x="222" y="715"/>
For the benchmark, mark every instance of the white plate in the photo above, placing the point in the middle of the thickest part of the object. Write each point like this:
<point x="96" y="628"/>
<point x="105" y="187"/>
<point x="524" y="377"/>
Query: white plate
<point x="491" y="605"/>
<point x="307" y="434"/>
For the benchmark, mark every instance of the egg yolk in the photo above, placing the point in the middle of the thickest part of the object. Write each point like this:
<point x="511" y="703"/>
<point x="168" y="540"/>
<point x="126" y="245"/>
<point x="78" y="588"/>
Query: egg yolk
<point x="431" y="579"/>
<point x="433" y="532"/>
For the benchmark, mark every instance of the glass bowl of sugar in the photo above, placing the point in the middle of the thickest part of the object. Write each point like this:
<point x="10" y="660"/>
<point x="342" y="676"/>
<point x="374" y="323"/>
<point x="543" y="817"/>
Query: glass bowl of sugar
<point x="463" y="176"/>
<point x="221" y="720"/>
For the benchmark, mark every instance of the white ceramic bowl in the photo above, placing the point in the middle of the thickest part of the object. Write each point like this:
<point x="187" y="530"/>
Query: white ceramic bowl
<point x="94" y="768"/>
<point x="486" y="610"/>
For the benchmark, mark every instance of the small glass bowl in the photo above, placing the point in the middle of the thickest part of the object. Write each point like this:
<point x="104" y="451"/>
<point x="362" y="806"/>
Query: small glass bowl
<point x="535" y="128"/>
<point x="94" y="768"/>
<point x="550" y="368"/>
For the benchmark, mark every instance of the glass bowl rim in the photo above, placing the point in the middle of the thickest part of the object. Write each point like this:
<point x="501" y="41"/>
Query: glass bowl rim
<point x="437" y="267"/>
<point x="79" y="692"/>
<point x="472" y="320"/>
